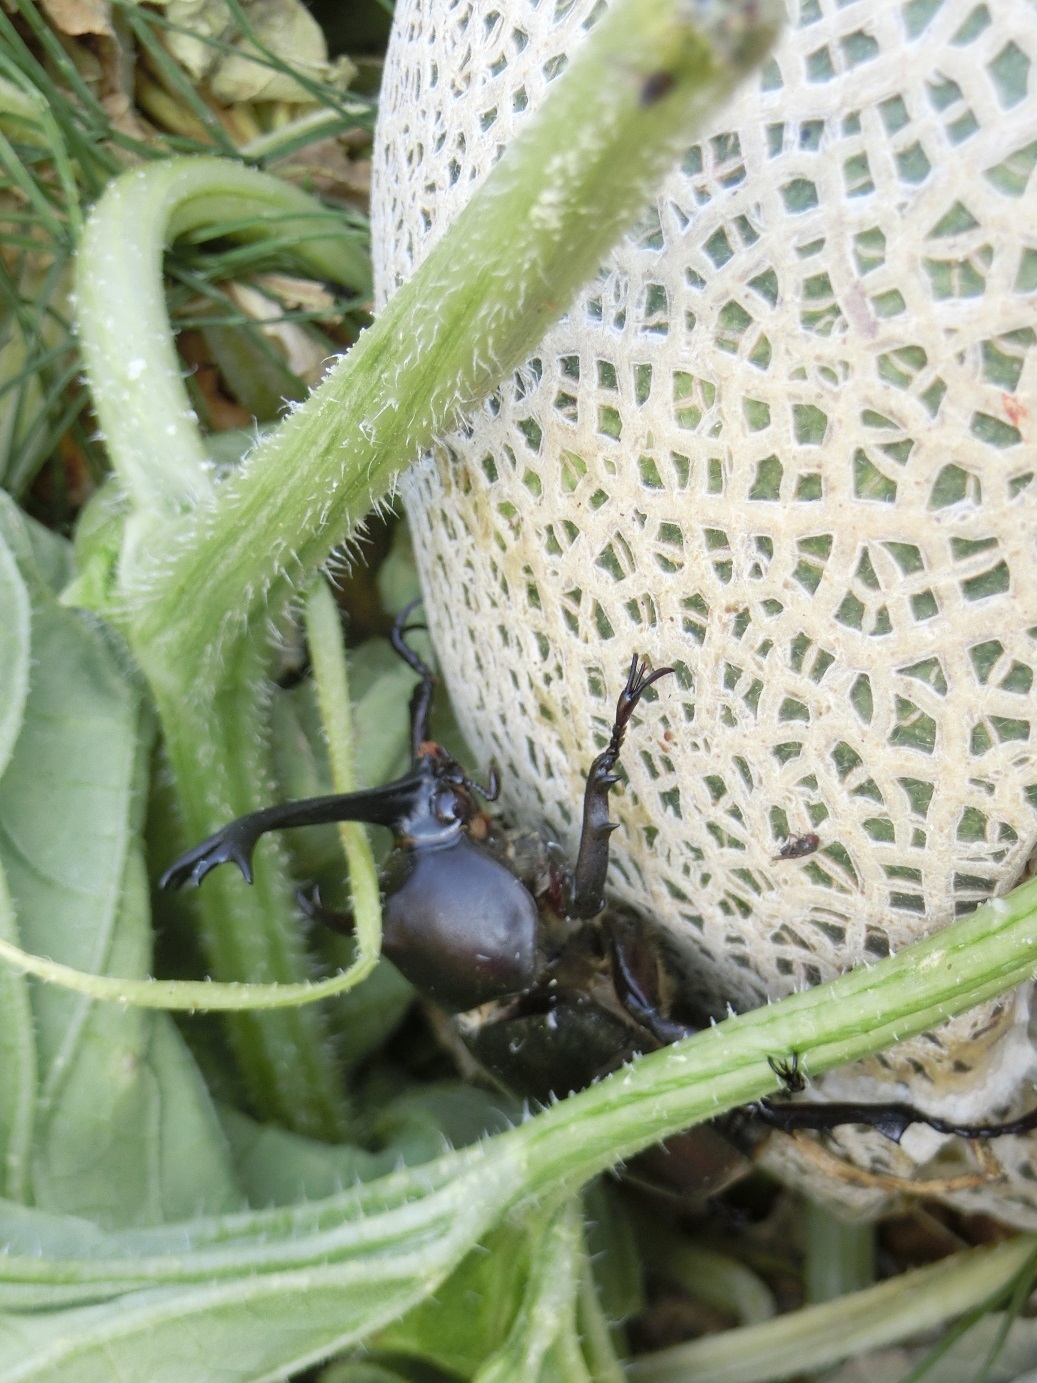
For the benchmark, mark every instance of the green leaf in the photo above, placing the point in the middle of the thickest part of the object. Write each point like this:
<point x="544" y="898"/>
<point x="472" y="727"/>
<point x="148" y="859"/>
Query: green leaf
<point x="131" y="1135"/>
<point x="18" y="1064"/>
<point x="98" y="540"/>
<point x="542" y="1344"/>
<point x="365" y="1017"/>
<point x="255" y="374"/>
<point x="262" y="1293"/>
<point x="17" y="1045"/>
<point x="359" y="1371"/>
<point x="382" y="684"/>
<point x="276" y="1167"/>
<point x="41" y="555"/>
<point x="14" y="651"/>
<point x="123" y="1130"/>
<point x="617" y="1265"/>
<point x="174" y="1335"/>
<point x="443" y="1115"/>
<point x="471" y="1313"/>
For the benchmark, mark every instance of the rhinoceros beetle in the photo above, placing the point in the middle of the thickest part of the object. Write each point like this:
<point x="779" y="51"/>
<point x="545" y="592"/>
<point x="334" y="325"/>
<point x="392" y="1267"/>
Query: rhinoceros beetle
<point x="548" y="988"/>
<point x="460" y="922"/>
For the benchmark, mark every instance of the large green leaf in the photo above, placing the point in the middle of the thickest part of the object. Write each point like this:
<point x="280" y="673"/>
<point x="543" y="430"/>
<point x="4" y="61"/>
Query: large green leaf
<point x="17" y="1044"/>
<point x="174" y="1335"/>
<point x="124" y="1130"/>
<point x="542" y="1345"/>
<point x="278" y="1167"/>
<point x="167" y="1302"/>
<point x="469" y="1316"/>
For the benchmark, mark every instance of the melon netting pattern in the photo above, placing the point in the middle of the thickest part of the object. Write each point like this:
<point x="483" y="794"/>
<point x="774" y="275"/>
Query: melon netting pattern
<point x="783" y="443"/>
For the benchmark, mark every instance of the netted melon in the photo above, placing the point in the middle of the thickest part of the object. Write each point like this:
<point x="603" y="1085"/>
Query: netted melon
<point x="784" y="443"/>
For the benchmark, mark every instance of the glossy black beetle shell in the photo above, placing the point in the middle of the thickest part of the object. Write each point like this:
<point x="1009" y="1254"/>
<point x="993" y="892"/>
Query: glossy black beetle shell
<point x="555" y="1050"/>
<point x="436" y="899"/>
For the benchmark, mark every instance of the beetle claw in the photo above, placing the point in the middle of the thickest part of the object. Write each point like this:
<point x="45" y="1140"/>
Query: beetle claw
<point x="601" y="774"/>
<point x="639" y="679"/>
<point x="787" y="1070"/>
<point x="220" y="848"/>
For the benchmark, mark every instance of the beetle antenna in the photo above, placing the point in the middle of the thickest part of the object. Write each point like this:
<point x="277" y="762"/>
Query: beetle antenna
<point x="421" y="701"/>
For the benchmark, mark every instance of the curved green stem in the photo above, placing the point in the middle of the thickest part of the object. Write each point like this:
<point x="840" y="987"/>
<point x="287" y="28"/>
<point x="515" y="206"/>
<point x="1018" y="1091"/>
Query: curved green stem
<point x="134" y="371"/>
<point x="328" y="653"/>
<point x="219" y="752"/>
<point x="183" y="996"/>
<point x="216" y="742"/>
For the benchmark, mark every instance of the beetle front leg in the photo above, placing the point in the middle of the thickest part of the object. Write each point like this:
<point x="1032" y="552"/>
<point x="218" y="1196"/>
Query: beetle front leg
<point x="635" y="989"/>
<point x="235" y="842"/>
<point x="335" y="919"/>
<point x="891" y="1120"/>
<point x="592" y="862"/>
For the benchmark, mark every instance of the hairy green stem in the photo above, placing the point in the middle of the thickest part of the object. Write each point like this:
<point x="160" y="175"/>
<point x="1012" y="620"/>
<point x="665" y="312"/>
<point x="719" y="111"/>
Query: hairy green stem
<point x="216" y="743"/>
<point x="251" y="933"/>
<point x="134" y="371"/>
<point x="863" y="1012"/>
<point x="183" y="996"/>
<point x="328" y="652"/>
<point x="508" y="266"/>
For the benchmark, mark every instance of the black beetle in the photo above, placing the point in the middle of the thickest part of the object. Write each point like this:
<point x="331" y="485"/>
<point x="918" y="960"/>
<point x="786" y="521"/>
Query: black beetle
<point x="796" y="847"/>
<point x="460" y="923"/>
<point x="548" y="987"/>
